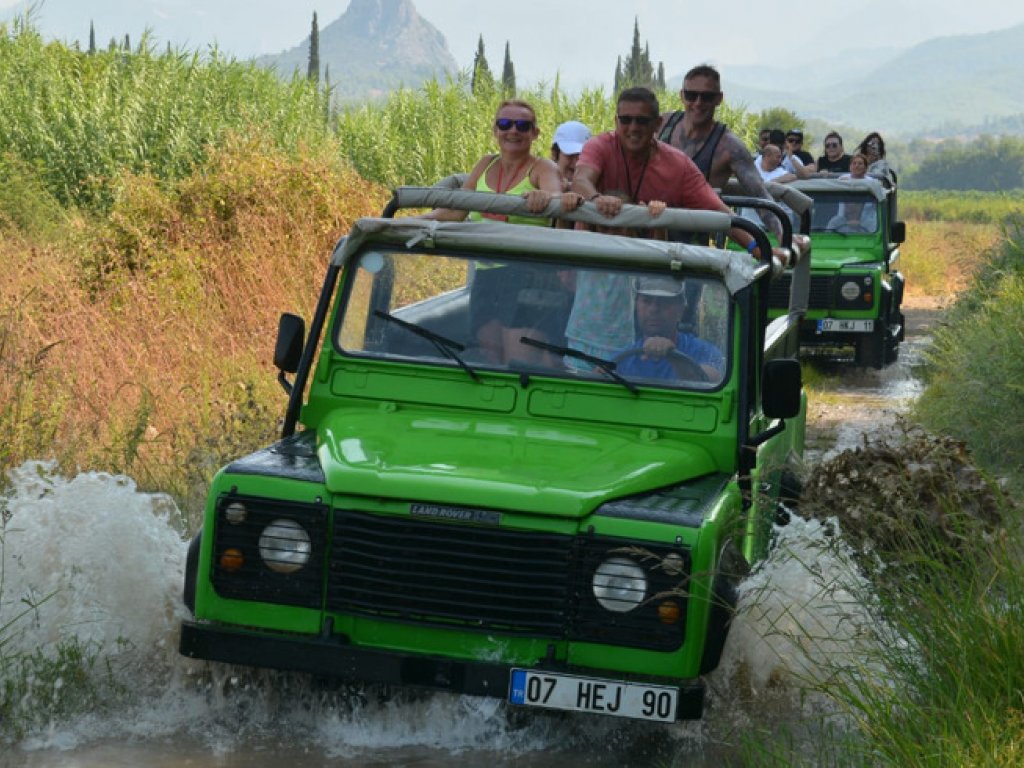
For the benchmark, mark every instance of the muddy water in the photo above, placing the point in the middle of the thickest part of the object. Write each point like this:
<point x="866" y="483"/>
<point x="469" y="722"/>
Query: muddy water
<point x="113" y="557"/>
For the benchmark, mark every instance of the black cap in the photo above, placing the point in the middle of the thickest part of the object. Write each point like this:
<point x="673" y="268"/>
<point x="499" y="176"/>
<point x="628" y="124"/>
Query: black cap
<point x="794" y="132"/>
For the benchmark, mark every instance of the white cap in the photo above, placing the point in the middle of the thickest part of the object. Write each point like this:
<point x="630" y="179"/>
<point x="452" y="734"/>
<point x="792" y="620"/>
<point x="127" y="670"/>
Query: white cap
<point x="571" y="136"/>
<point x="661" y="286"/>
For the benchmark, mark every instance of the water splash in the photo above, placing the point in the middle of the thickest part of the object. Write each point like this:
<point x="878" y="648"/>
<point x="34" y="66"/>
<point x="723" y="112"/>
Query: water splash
<point x="113" y="559"/>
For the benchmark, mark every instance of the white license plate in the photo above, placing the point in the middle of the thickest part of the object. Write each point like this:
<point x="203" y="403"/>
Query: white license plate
<point x="847" y="326"/>
<point x="591" y="694"/>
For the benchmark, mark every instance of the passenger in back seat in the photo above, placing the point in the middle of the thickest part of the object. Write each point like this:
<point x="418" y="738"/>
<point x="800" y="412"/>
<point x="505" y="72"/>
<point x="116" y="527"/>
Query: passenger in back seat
<point x="835" y="161"/>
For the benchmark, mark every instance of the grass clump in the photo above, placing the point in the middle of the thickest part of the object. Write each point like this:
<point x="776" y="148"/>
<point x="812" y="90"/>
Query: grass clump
<point x="940" y="543"/>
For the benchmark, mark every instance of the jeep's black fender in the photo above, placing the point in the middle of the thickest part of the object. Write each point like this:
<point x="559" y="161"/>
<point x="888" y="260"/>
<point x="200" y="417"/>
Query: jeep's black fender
<point x="724" y="596"/>
<point x="191" y="571"/>
<point x="732" y="566"/>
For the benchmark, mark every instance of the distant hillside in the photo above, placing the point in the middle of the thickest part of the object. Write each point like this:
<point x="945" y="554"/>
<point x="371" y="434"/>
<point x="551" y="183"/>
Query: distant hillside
<point x="374" y="47"/>
<point x="962" y="84"/>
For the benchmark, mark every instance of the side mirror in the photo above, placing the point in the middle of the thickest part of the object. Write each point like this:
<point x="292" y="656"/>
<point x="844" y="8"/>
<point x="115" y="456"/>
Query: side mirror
<point x="781" y="384"/>
<point x="291" y="334"/>
<point x="899" y="232"/>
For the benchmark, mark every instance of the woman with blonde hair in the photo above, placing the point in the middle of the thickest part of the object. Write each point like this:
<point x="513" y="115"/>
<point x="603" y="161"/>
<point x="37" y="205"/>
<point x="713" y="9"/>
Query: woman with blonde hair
<point x="514" y="170"/>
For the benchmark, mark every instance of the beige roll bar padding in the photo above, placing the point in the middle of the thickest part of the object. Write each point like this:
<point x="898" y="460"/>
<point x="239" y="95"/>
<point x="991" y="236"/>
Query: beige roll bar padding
<point x="631" y="216"/>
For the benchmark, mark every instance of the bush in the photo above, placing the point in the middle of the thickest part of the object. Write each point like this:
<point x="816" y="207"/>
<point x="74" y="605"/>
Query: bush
<point x="975" y="366"/>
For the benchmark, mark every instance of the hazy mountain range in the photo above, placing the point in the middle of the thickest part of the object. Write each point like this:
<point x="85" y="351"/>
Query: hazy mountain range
<point x="960" y="84"/>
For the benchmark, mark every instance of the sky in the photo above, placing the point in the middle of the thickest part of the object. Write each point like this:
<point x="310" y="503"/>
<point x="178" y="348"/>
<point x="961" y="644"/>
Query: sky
<point x="577" y="39"/>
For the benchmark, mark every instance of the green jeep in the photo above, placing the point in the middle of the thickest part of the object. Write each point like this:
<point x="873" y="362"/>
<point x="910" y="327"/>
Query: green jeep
<point x="856" y="290"/>
<point x="477" y="503"/>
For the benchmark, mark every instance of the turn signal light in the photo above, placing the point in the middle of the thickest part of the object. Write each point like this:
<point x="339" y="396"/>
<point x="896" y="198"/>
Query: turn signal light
<point x="668" y="612"/>
<point x="231" y="560"/>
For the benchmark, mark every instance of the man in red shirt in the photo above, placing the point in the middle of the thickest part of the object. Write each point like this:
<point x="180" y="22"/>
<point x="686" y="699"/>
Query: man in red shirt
<point x="630" y="160"/>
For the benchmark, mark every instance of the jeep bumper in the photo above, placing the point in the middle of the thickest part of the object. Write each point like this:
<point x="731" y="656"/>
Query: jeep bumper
<point x="333" y="657"/>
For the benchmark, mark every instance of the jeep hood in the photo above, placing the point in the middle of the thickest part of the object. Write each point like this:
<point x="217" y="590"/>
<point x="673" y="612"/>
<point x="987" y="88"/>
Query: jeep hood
<point x="498" y="463"/>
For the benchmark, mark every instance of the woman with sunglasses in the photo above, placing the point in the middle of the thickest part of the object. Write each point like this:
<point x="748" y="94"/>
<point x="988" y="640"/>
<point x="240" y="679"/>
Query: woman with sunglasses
<point x="873" y="148"/>
<point x="514" y="170"/>
<point x="835" y="161"/>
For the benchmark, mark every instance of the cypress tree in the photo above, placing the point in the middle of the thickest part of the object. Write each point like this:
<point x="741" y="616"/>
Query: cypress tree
<point x="482" y="77"/>
<point x="313" y="68"/>
<point x="618" y="74"/>
<point x="637" y="69"/>
<point x="92" y="37"/>
<point x="508" y="74"/>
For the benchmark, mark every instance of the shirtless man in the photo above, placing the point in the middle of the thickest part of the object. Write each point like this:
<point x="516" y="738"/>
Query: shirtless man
<point x="716" y="150"/>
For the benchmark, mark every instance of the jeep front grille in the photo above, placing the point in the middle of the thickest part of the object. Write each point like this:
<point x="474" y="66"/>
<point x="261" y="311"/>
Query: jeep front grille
<point x="819" y="296"/>
<point x="511" y="581"/>
<point x="493" y="579"/>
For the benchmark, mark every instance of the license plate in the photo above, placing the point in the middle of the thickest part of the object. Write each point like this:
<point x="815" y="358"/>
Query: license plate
<point x="848" y="326"/>
<point x="595" y="695"/>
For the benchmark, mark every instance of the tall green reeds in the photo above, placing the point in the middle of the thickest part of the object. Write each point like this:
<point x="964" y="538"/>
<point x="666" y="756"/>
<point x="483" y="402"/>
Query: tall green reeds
<point x="418" y="137"/>
<point x="80" y="119"/>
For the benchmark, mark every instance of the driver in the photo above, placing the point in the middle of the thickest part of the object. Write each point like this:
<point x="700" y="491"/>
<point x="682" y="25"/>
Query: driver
<point x="662" y="350"/>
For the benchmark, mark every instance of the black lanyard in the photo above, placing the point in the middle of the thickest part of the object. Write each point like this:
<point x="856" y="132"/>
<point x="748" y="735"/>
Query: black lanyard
<point x="634" y="193"/>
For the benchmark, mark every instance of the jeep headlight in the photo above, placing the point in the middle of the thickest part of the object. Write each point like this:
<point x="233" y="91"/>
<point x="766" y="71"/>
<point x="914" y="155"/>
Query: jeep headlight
<point x="619" y="584"/>
<point x="855" y="292"/>
<point x="285" y="546"/>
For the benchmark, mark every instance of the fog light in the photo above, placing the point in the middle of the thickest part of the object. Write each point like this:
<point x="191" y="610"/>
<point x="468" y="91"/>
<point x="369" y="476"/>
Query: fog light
<point x="285" y="546"/>
<point x="669" y="612"/>
<point x="231" y="560"/>
<point x="619" y="584"/>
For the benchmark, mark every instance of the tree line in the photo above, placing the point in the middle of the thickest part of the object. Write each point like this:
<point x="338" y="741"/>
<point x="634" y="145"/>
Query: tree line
<point x="987" y="164"/>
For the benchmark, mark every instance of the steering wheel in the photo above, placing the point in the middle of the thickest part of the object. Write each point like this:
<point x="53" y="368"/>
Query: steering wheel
<point x="684" y="366"/>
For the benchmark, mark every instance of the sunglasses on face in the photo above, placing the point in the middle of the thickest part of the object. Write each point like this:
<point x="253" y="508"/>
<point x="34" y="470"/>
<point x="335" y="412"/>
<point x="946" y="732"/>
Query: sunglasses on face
<point x="795" y="140"/>
<point x="708" y="97"/>
<point x="831" y="145"/>
<point x="506" y="124"/>
<point x="640" y="120"/>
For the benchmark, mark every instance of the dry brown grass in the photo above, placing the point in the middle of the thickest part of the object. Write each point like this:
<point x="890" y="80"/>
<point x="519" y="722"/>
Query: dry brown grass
<point x="939" y="257"/>
<point x="158" y="323"/>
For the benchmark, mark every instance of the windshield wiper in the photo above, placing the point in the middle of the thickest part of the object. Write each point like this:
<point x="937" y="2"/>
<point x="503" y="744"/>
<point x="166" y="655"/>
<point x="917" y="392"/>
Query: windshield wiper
<point x="607" y="366"/>
<point x="444" y="345"/>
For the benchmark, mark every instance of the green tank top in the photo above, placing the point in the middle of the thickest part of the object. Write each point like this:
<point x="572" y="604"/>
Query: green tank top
<point x="522" y="187"/>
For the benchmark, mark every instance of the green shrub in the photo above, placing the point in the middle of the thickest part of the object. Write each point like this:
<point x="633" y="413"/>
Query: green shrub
<point x="975" y="369"/>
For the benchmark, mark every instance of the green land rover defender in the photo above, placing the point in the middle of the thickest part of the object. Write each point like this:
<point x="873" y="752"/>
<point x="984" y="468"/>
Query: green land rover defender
<point x="470" y="495"/>
<point x="856" y="289"/>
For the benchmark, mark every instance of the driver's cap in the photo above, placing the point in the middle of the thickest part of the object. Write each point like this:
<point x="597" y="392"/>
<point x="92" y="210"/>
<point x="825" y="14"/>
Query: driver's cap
<point x="659" y="286"/>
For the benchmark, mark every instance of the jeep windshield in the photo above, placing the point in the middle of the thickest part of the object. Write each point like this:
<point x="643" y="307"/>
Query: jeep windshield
<point x="552" y="318"/>
<point x="845" y="213"/>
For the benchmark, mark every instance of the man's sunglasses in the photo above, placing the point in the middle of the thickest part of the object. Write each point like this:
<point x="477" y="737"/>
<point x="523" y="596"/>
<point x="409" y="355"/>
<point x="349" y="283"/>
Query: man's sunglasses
<point x="832" y="145"/>
<point x="708" y="97"/>
<point x="505" y="124"/>
<point x="795" y="139"/>
<point x="640" y="120"/>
